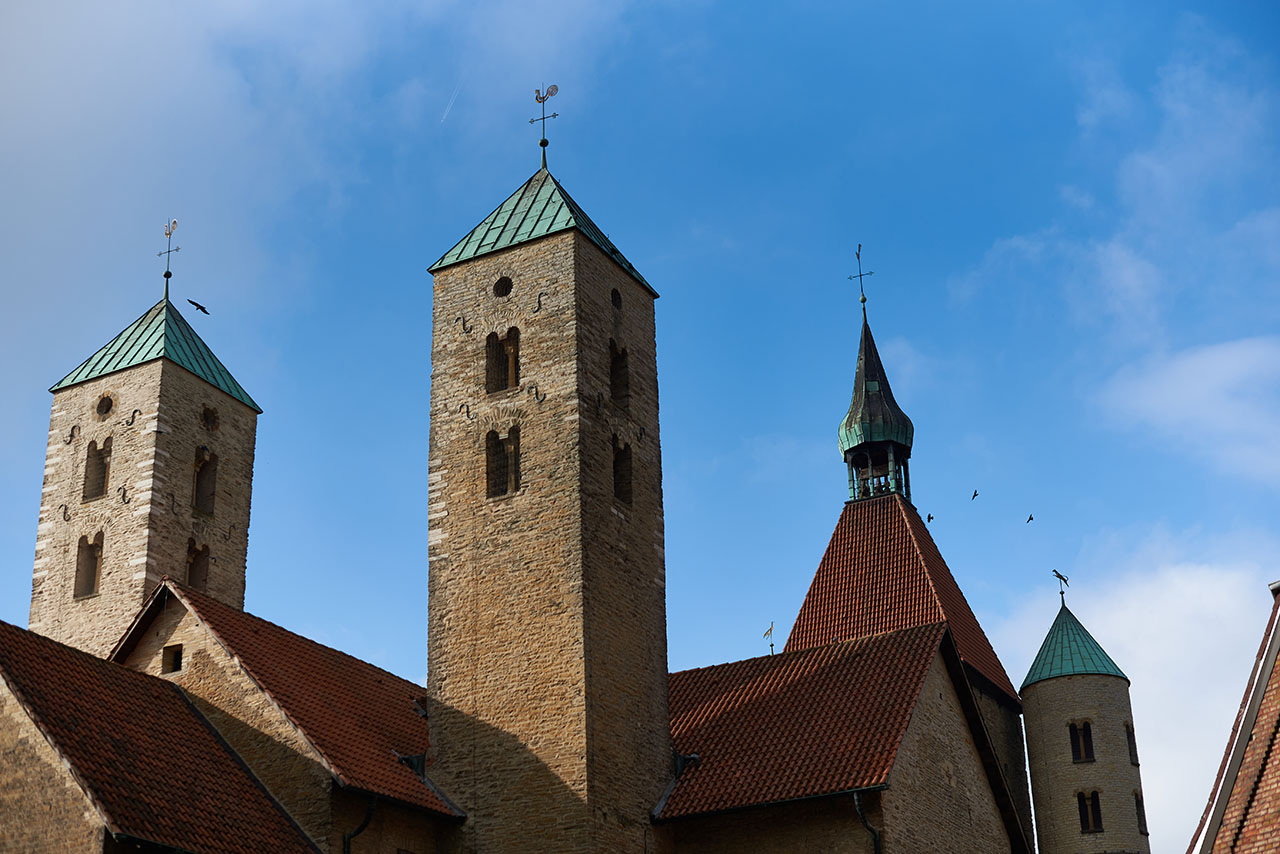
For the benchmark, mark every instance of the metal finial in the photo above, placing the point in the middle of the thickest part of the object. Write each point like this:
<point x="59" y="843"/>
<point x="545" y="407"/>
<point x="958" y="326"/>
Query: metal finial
<point x="169" y="229"/>
<point x="541" y="98"/>
<point x="862" y="295"/>
<point x="1063" y="584"/>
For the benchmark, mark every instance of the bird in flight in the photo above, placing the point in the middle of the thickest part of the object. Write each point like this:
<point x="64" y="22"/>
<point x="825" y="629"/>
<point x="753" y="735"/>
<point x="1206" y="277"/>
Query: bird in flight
<point x="1030" y="518"/>
<point x="930" y="519"/>
<point x="975" y="495"/>
<point x="199" y="307"/>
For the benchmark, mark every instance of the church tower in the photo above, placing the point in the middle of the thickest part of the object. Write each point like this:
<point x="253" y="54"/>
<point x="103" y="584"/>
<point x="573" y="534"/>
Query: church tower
<point x="1081" y="747"/>
<point x="148" y="473"/>
<point x="547" y="609"/>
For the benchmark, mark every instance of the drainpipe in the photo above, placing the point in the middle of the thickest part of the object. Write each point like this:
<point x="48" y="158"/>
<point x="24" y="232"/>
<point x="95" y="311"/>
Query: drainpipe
<point x="875" y="834"/>
<point x="368" y="817"/>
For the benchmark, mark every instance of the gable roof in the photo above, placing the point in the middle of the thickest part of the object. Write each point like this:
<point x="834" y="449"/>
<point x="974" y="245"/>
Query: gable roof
<point x="1069" y="650"/>
<point x="882" y="572"/>
<point x="801" y="724"/>
<point x="359" y="717"/>
<point x="539" y="208"/>
<point x="153" y="767"/>
<point x="1243" y="813"/>
<point x="161" y="332"/>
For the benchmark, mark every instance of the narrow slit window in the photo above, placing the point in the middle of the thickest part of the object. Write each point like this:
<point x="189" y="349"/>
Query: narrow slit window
<point x="197" y="565"/>
<point x="502" y="361"/>
<point x="88" y="566"/>
<point x="1081" y="742"/>
<point x="1142" y="813"/>
<point x="502" y="463"/>
<point x="619" y="376"/>
<point x="97" y="469"/>
<point x="206" y="481"/>
<point x="1090" y="807"/>
<point x="171" y="658"/>
<point x="1133" y="743"/>
<point x="621" y="471"/>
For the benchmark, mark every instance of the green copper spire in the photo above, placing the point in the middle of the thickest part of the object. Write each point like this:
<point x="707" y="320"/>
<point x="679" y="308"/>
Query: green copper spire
<point x="539" y="208"/>
<point x="875" y="435"/>
<point x="1069" y="650"/>
<point x="161" y="332"/>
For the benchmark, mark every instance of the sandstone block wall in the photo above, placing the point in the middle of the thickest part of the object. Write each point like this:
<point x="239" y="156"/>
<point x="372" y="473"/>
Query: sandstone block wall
<point x="394" y="829"/>
<point x="829" y="825"/>
<point x="146" y="516"/>
<point x="939" y="798"/>
<point x="1049" y="708"/>
<point x="243" y="714"/>
<point x="1004" y="725"/>
<point x="42" y="809"/>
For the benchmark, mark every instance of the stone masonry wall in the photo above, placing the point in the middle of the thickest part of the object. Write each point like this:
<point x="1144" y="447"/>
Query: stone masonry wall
<point x="394" y="829"/>
<point x="939" y="798"/>
<point x="1049" y="707"/>
<point x="146" y="515"/>
<point x="1004" y="726"/>
<point x="42" y="809"/>
<point x="242" y="712"/>
<point x="829" y="825"/>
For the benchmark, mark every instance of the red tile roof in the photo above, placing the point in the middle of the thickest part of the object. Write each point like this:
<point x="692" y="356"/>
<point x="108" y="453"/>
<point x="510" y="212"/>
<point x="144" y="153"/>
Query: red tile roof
<point x="154" y="768"/>
<point x="358" y="716"/>
<point x="800" y="724"/>
<point x="882" y="572"/>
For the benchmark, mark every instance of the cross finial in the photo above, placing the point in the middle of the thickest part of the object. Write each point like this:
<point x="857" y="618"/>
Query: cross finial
<point x="169" y="229"/>
<point x="862" y="295"/>
<point x="541" y="98"/>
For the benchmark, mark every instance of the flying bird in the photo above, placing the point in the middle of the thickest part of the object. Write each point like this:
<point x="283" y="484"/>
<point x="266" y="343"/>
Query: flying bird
<point x="204" y="310"/>
<point x="1030" y="518"/>
<point x="930" y="519"/>
<point x="1061" y="577"/>
<point x="975" y="495"/>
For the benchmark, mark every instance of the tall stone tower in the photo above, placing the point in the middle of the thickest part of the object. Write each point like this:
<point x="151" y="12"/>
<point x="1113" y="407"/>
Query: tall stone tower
<point x="148" y="473"/>
<point x="547" y="614"/>
<point x="1081" y="747"/>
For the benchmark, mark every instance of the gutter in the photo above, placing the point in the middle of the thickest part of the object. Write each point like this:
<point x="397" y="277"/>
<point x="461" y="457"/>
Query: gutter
<point x="875" y="834"/>
<point x="361" y="827"/>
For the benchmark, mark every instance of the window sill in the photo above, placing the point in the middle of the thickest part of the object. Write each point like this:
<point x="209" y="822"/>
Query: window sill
<point x="507" y="390"/>
<point x="93" y="499"/>
<point x="1083" y="761"/>
<point x="506" y="496"/>
<point x="1087" y="832"/>
<point x="84" y="596"/>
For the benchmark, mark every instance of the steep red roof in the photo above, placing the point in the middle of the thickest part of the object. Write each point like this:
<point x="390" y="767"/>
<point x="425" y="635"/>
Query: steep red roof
<point x="1243" y="815"/>
<point x="154" y="768"/>
<point x="882" y="572"/>
<point x="358" y="716"/>
<point x="800" y="724"/>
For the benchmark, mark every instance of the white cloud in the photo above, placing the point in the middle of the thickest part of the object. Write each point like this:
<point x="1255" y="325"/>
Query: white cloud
<point x="1104" y="96"/>
<point x="1222" y="397"/>
<point x="1182" y="615"/>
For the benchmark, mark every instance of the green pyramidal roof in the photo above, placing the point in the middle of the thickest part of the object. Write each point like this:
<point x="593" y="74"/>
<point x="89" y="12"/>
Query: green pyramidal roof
<point x="1070" y="650"/>
<point x="540" y="207"/>
<point x="161" y="332"/>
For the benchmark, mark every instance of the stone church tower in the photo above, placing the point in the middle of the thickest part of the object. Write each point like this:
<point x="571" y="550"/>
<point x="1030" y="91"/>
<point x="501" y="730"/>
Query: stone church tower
<point x="547" y="614"/>
<point x="148" y="473"/>
<point x="1082" y="748"/>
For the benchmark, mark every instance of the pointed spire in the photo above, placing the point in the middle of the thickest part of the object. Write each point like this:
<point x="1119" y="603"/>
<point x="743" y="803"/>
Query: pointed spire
<point x="1069" y="650"/>
<point x="875" y="435"/>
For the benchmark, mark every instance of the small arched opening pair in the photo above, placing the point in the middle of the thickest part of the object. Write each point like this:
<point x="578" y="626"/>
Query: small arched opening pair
<point x="502" y="361"/>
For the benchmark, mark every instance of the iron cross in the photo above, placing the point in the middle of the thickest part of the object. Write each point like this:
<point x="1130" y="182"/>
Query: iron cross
<point x="542" y="99"/>
<point x="861" y="275"/>
<point x="169" y="229"/>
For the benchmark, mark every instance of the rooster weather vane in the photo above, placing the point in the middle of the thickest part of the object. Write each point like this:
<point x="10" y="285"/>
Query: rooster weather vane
<point x="542" y="99"/>
<point x="169" y="229"/>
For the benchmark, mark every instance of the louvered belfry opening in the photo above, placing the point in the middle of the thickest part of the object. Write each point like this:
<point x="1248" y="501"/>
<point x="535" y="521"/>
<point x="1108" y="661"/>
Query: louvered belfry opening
<point x="502" y="463"/>
<point x="97" y="467"/>
<point x="502" y="361"/>
<point x="88" y="565"/>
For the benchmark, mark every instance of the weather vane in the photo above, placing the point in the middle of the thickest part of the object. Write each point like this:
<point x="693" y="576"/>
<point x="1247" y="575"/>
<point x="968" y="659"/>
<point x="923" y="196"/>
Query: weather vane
<point x="169" y="229"/>
<point x="542" y="99"/>
<point x="861" y="275"/>
<point x="1063" y="583"/>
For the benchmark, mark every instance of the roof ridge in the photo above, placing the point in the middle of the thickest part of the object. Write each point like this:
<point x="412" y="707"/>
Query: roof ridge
<point x="915" y="545"/>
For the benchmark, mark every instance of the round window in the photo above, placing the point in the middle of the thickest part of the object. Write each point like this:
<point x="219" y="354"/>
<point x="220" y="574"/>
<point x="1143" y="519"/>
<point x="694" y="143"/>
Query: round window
<point x="209" y="418"/>
<point x="502" y="287"/>
<point x="104" y="406"/>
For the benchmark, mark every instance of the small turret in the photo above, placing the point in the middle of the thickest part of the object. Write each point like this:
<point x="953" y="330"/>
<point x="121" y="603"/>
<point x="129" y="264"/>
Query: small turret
<point x="1081" y="747"/>
<point x="875" y="435"/>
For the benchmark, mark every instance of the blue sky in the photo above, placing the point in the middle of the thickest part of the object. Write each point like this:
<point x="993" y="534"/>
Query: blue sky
<point x="1072" y="211"/>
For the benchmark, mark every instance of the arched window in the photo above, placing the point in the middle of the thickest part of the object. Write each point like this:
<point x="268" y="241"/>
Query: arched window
<point x="197" y="565"/>
<point x="97" y="467"/>
<point x="502" y="361"/>
<point x="621" y="471"/>
<point x="1081" y="742"/>
<point x="1133" y="743"/>
<point x="1142" y="813"/>
<point x="502" y="463"/>
<point x="619" y="376"/>
<point x="206" y="481"/>
<point x="1090" y="812"/>
<point x="88" y="566"/>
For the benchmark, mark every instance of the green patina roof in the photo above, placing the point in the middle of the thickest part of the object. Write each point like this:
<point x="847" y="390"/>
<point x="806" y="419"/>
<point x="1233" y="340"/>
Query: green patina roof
<point x="161" y="332"/>
<point x="874" y="416"/>
<point x="538" y="208"/>
<point x="1070" y="650"/>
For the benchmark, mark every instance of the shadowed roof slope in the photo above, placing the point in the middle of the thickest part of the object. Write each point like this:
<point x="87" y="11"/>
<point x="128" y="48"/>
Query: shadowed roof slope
<point x="161" y="332"/>
<point x="1069" y="650"/>
<point x="882" y="572"/>
<point x="796" y="725"/>
<point x="539" y="208"/>
<point x="153" y="767"/>
<point x="358" y="716"/>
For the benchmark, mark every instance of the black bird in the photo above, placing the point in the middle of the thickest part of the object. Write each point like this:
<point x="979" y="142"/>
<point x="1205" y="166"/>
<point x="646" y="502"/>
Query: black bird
<point x="1030" y="518"/>
<point x="930" y="519"/>
<point x="199" y="307"/>
<point x="975" y="494"/>
<point x="1061" y="577"/>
